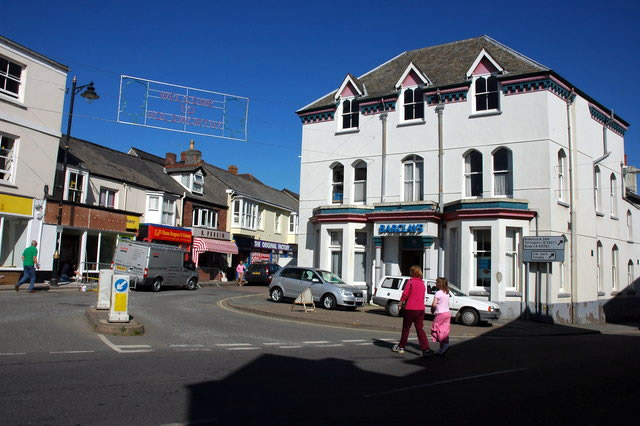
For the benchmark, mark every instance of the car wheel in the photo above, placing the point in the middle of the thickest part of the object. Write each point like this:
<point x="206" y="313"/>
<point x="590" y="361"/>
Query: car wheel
<point x="328" y="301"/>
<point x="276" y="294"/>
<point x="156" y="285"/>
<point x="191" y="285"/>
<point x="469" y="317"/>
<point x="394" y="309"/>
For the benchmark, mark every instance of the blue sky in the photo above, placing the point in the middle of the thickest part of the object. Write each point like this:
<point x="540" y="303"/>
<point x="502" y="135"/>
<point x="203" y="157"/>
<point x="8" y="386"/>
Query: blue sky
<point x="284" y="55"/>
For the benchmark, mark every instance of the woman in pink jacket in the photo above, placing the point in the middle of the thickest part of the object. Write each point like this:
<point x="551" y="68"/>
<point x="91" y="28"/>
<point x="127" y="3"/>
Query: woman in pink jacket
<point x="413" y="301"/>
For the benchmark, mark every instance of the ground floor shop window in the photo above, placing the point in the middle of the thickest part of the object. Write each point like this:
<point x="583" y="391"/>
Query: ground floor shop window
<point x="482" y="257"/>
<point x="14" y="241"/>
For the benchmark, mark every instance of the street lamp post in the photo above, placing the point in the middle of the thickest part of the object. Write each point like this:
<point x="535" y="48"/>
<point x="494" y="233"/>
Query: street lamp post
<point x="91" y="95"/>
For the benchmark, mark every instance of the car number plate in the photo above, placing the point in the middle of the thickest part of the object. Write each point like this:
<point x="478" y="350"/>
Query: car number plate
<point x="256" y="273"/>
<point x="359" y="299"/>
<point x="121" y="268"/>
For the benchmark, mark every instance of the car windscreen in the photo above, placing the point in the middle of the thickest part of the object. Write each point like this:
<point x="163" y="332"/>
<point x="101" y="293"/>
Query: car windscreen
<point x="455" y="291"/>
<point x="392" y="283"/>
<point x="330" y="277"/>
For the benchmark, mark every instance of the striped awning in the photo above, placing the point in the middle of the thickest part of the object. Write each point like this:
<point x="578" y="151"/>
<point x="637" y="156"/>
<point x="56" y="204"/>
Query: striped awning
<point x="201" y="245"/>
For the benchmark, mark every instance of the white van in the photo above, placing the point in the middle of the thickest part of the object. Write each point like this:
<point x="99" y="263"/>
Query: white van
<point x="464" y="309"/>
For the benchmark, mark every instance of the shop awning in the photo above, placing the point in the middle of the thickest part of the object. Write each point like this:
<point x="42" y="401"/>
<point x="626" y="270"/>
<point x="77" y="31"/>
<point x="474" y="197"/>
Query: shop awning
<point x="200" y="245"/>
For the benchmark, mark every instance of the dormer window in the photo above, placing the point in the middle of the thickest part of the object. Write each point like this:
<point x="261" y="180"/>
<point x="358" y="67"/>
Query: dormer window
<point x="350" y="114"/>
<point x="413" y="104"/>
<point x="198" y="183"/>
<point x="485" y="88"/>
<point x="411" y="84"/>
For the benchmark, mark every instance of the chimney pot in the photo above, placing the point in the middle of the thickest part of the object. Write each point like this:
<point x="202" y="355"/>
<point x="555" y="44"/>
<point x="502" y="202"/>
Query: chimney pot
<point x="233" y="169"/>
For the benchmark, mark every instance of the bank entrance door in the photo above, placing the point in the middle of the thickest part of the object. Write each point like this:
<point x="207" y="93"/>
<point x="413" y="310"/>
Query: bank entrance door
<point x="411" y="251"/>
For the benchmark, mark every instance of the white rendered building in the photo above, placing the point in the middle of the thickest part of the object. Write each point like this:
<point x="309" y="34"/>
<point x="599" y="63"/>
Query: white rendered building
<point x="448" y="156"/>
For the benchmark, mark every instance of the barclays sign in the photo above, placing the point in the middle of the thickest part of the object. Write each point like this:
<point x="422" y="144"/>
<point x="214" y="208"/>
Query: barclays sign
<point x="401" y="229"/>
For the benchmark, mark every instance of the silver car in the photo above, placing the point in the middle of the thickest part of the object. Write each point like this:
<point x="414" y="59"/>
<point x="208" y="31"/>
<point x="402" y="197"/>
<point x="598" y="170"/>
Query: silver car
<point x="326" y="287"/>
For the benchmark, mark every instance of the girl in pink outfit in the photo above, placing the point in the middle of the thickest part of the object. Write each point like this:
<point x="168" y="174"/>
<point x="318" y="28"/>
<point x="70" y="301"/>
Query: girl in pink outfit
<point x="413" y="301"/>
<point x="441" y="326"/>
<point x="240" y="272"/>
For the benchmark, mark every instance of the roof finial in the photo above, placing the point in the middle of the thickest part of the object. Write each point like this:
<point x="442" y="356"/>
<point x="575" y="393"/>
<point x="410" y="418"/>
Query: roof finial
<point x="192" y="145"/>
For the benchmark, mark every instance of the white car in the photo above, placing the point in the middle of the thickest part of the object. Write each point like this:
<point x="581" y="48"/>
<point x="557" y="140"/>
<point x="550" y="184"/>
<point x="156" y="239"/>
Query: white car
<point x="464" y="309"/>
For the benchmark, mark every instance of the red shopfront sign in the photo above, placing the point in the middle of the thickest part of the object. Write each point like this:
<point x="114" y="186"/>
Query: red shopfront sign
<point x="166" y="233"/>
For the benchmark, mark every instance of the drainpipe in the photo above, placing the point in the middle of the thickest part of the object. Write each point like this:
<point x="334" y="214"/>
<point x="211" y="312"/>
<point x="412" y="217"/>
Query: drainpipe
<point x="440" y="112"/>
<point x="383" y="118"/>
<point x="572" y="210"/>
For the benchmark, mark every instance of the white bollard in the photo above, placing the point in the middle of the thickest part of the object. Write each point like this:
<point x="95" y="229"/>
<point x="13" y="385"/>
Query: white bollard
<point x="104" y="289"/>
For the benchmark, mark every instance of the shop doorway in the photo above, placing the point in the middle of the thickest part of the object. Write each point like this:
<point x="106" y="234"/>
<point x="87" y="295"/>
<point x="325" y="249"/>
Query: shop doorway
<point x="411" y="253"/>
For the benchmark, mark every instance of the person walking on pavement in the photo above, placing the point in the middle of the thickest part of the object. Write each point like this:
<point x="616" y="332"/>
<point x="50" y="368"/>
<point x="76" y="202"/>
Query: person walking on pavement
<point x="441" y="326"/>
<point x="413" y="301"/>
<point x="29" y="266"/>
<point x="240" y="272"/>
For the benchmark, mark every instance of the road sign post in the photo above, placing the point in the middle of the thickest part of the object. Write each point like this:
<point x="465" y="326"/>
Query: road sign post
<point x="543" y="249"/>
<point x="119" y="311"/>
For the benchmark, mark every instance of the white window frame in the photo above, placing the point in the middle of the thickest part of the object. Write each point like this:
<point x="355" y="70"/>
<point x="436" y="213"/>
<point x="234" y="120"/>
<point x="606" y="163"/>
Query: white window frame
<point x="335" y="184"/>
<point x="237" y="212"/>
<point x="245" y="214"/>
<point x="168" y="211"/>
<point x="360" y="165"/>
<point x="83" y="190"/>
<point x="562" y="178"/>
<point x="476" y="252"/>
<point x="8" y="158"/>
<point x="349" y="115"/>
<point x="5" y="73"/>
<point x="511" y="254"/>
<point x="469" y="174"/>
<point x="486" y="93"/>
<point x="293" y="223"/>
<point x="335" y="247"/>
<point x="599" y="268"/>
<point x="359" y="249"/>
<point x="260" y="219"/>
<point x="416" y="181"/>
<point x="197" y="183"/>
<point x="278" y="223"/>
<point x="615" y="257"/>
<point x="203" y="217"/>
<point x="153" y="203"/>
<point x="416" y="105"/>
<point x="597" y="189"/>
<point x="107" y="192"/>
<point x="613" y="195"/>
<point x="507" y="173"/>
<point x="630" y="273"/>
<point x="629" y="226"/>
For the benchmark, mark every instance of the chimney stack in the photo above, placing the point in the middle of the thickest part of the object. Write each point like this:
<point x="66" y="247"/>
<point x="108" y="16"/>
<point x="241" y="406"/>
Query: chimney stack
<point x="170" y="158"/>
<point x="233" y="169"/>
<point x="192" y="156"/>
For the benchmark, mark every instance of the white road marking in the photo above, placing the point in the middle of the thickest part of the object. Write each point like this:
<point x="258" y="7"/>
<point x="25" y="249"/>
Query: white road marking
<point x="108" y="343"/>
<point x="315" y="342"/>
<point x="459" y="379"/>
<point x="243" y="348"/>
<point x="364" y="344"/>
<point x="290" y="347"/>
<point x="329" y="346"/>
<point x="389" y="340"/>
<point x="120" y="350"/>
<point x="193" y="350"/>
<point x="224" y="345"/>
<point x="353" y="340"/>
<point x="133" y="346"/>
<point x="72" y="352"/>
<point x="186" y="346"/>
<point x="12" y="353"/>
<point x="272" y="344"/>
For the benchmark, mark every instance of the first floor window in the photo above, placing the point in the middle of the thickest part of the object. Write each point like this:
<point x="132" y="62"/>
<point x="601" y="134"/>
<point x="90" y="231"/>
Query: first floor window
<point x="76" y="186"/>
<point x="614" y="268"/>
<point x="482" y="257"/>
<point x="337" y="184"/>
<point x="10" y="77"/>
<point x="502" y="173"/>
<point x="413" y="178"/>
<point x="260" y="219"/>
<point x="512" y="270"/>
<point x="168" y="212"/>
<point x="473" y="174"/>
<point x="205" y="218"/>
<point x="7" y="157"/>
<point x="278" y="223"/>
<point x="360" y="182"/>
<point x="293" y="223"/>
<point x="198" y="183"/>
<point x="237" y="206"/>
<point x="154" y="203"/>
<point x="107" y="197"/>
<point x="562" y="173"/>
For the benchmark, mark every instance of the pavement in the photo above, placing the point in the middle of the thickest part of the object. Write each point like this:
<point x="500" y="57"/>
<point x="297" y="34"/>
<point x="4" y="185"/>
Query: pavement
<point x="254" y="299"/>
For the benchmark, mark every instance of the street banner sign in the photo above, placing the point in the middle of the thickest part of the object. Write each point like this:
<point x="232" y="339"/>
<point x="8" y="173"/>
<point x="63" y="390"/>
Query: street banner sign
<point x="119" y="311"/>
<point x="543" y="249"/>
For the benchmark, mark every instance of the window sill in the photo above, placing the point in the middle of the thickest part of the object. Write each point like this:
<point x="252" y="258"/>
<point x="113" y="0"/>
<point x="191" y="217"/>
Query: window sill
<point x="411" y="122"/>
<point x="630" y="241"/>
<point x="615" y="293"/>
<point x="479" y="293"/>
<point x="485" y="114"/>
<point x="347" y="131"/>
<point x="8" y="185"/>
<point x="13" y="101"/>
<point x="599" y="214"/>
<point x="601" y="293"/>
<point x="614" y="217"/>
<point x="513" y="293"/>
<point x="563" y="203"/>
<point x="563" y="295"/>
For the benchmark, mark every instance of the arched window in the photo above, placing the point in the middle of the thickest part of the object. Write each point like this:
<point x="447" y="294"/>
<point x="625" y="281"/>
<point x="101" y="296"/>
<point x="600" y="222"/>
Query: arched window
<point x="413" y="104"/>
<point x="350" y="114"/>
<point x="599" y="277"/>
<point x="413" y="169"/>
<point x="629" y="226"/>
<point x="562" y="175"/>
<point x="630" y="273"/>
<point x="473" y="174"/>
<point x="360" y="182"/>
<point x="337" y="184"/>
<point x="614" y="268"/>
<point x="597" y="184"/>
<point x="487" y="95"/>
<point x="613" y="193"/>
<point x="502" y="173"/>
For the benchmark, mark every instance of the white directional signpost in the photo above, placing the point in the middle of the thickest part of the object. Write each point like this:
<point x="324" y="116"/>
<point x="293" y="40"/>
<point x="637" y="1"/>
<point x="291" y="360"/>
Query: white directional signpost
<point x="541" y="249"/>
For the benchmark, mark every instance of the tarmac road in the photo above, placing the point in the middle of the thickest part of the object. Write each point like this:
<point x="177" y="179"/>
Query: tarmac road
<point x="200" y="363"/>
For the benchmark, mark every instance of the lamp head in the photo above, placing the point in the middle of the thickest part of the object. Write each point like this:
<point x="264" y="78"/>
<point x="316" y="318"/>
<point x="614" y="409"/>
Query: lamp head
<point x="90" y="93"/>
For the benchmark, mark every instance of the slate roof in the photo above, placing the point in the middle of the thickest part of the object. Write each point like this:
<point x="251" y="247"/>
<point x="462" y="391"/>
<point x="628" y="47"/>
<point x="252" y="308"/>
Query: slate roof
<point x="145" y="155"/>
<point x="252" y="188"/>
<point x="106" y="162"/>
<point x="445" y="65"/>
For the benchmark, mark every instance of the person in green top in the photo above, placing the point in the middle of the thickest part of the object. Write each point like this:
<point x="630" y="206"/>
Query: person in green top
<point x="30" y="264"/>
